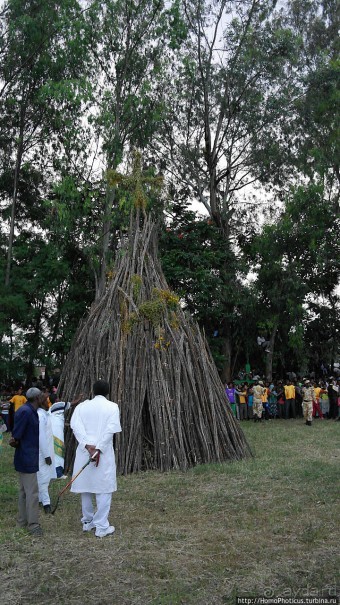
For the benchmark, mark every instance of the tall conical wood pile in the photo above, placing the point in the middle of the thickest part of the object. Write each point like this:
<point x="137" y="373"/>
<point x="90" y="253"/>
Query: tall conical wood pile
<point x="174" y="411"/>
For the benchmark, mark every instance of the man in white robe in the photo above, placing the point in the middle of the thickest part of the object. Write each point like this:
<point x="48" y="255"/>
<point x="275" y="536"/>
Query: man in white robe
<point x="47" y="469"/>
<point x="57" y="414"/>
<point x="94" y="422"/>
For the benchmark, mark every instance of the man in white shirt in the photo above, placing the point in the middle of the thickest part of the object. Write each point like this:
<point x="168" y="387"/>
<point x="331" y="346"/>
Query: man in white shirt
<point x="94" y="422"/>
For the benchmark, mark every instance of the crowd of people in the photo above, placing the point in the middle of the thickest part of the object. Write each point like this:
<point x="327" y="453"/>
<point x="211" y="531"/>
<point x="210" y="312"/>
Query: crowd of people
<point x="257" y="400"/>
<point x="36" y="421"/>
<point x="12" y="400"/>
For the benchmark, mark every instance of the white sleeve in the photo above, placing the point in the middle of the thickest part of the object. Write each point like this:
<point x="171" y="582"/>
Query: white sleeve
<point x="43" y="443"/>
<point x="112" y="426"/>
<point x="78" y="428"/>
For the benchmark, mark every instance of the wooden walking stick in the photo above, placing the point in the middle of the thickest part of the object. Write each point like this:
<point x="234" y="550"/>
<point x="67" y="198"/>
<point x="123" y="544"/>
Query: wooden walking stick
<point x="91" y="459"/>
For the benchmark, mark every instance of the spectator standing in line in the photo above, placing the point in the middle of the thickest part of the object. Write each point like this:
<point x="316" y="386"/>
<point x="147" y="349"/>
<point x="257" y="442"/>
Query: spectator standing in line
<point x="338" y="385"/>
<point x="230" y="392"/>
<point x="237" y="404"/>
<point x="5" y="414"/>
<point x="280" y="400"/>
<point x="272" y="400"/>
<point x="258" y="390"/>
<point x="308" y="400"/>
<point x="316" y="403"/>
<point x="289" y="391"/>
<point x="3" y="429"/>
<point x="324" y="400"/>
<point x="250" y="399"/>
<point x="333" y="398"/>
<point x="298" y="400"/>
<point x="25" y="440"/>
<point x="242" y="397"/>
<point x="265" y="401"/>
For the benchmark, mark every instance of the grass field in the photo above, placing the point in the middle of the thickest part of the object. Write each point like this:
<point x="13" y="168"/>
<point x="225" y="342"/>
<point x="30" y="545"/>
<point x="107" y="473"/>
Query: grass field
<point x="261" y="527"/>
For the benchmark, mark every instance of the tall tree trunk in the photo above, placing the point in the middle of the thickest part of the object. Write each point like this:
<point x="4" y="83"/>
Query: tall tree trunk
<point x="226" y="371"/>
<point x="269" y="356"/>
<point x="101" y="281"/>
<point x="235" y="360"/>
<point x="35" y="341"/>
<point x="15" y="193"/>
<point x="56" y="328"/>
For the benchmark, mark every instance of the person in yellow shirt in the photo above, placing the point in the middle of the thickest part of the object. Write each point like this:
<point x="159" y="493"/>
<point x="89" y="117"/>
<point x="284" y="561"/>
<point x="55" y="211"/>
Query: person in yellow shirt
<point x="14" y="404"/>
<point x="18" y="400"/>
<point x="265" y="405"/>
<point x="316" y="404"/>
<point x="242" y="400"/>
<point x="289" y="390"/>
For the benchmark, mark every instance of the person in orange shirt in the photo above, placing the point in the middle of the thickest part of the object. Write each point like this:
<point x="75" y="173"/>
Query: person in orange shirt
<point x="289" y="390"/>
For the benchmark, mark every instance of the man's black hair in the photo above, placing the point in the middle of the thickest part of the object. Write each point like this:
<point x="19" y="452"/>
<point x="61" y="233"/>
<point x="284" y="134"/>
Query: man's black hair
<point x="101" y="387"/>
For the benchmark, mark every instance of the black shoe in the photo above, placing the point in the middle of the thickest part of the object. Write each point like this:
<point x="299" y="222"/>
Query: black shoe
<point x="47" y="509"/>
<point x="36" y="532"/>
<point x="255" y="418"/>
<point x="309" y="423"/>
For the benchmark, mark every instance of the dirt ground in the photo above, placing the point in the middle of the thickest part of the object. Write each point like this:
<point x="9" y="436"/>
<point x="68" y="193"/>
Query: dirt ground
<point x="267" y="526"/>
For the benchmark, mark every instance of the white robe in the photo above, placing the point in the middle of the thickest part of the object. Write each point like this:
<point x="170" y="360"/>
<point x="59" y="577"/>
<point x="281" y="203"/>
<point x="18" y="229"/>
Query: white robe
<point x="46" y="448"/>
<point x="57" y="414"/>
<point x="94" y="422"/>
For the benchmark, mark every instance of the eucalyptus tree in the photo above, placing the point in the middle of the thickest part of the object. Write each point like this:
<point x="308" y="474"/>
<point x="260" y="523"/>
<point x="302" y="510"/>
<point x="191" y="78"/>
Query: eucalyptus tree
<point x="193" y="253"/>
<point x="232" y="112"/>
<point x="41" y="81"/>
<point x="130" y="43"/>
<point x="314" y="130"/>
<point x="43" y="91"/>
<point x="297" y="265"/>
<point x="227" y="101"/>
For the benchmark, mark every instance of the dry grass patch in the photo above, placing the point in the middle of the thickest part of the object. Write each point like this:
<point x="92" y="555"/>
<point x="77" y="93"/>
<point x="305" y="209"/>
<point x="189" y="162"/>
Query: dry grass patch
<point x="201" y="537"/>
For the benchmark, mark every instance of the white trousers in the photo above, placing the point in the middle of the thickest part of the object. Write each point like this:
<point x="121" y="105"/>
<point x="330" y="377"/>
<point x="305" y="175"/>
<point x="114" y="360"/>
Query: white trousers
<point x="43" y="484"/>
<point x="100" y="517"/>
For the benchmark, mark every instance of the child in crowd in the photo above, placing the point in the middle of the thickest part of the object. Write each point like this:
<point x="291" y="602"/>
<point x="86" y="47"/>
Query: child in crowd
<point x="242" y="398"/>
<point x="324" y="401"/>
<point x="231" y="394"/>
<point x="250" y="399"/>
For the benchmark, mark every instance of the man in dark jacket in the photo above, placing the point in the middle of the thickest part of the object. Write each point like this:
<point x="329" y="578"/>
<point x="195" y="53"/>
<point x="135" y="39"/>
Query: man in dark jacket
<point x="25" y="439"/>
<point x="332" y="391"/>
